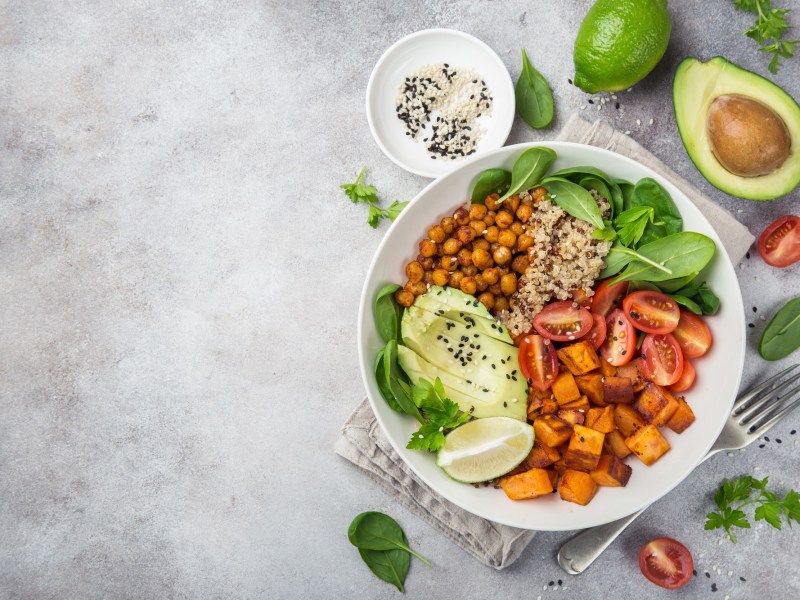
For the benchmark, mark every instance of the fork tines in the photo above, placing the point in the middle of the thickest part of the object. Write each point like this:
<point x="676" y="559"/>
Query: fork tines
<point x="767" y="401"/>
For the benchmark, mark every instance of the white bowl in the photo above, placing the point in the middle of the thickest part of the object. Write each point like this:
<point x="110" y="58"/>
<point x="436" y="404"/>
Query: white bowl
<point x="433" y="46"/>
<point x="711" y="397"/>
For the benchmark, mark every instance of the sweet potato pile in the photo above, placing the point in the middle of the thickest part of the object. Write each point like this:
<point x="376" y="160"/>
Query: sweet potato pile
<point x="592" y="418"/>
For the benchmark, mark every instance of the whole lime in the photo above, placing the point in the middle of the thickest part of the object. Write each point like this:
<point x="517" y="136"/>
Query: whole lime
<point x="619" y="43"/>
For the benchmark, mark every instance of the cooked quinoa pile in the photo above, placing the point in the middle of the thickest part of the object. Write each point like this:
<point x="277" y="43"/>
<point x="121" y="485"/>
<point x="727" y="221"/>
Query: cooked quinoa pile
<point x="564" y="257"/>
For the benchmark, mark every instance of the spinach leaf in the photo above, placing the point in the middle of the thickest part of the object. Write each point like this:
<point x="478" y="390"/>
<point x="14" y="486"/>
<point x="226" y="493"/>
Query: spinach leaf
<point x="490" y="181"/>
<point x="700" y="296"/>
<point x="388" y="313"/>
<point x="667" y="219"/>
<point x="637" y="286"/>
<point x="687" y="303"/>
<point x="533" y="96"/>
<point x="615" y="261"/>
<point x="590" y="182"/>
<point x="626" y="188"/>
<point x="671" y="286"/>
<point x="397" y="381"/>
<point x="607" y="233"/>
<point x="383" y="383"/>
<point x="670" y="257"/>
<point x="782" y="335"/>
<point x="377" y="531"/>
<point x="573" y="173"/>
<point x="529" y="169"/>
<point x="574" y="199"/>
<point x="389" y="565"/>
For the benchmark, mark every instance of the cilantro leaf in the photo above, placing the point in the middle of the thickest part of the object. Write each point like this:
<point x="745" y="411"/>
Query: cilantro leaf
<point x="428" y="437"/>
<point x="791" y="505"/>
<point x="768" y="30"/>
<point x="360" y="192"/>
<point x="746" y="5"/>
<point x="771" y="513"/>
<point x="395" y="208"/>
<point x="442" y="415"/>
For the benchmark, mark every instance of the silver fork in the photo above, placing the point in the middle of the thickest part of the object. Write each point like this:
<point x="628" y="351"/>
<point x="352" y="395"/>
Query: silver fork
<point x="754" y="413"/>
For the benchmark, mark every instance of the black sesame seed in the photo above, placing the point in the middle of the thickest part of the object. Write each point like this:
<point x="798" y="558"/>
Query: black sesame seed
<point x="742" y="579"/>
<point x="761" y="445"/>
<point x="483" y="357"/>
<point x="493" y="366"/>
<point x="766" y="439"/>
<point x="485" y="390"/>
<point x="746" y="256"/>
<point x="755" y="309"/>
<point x="750" y="325"/>
<point x="505" y="404"/>
<point x="713" y="587"/>
<point x="591" y="101"/>
<point x="616" y="106"/>
<point x="793" y="431"/>
<point x="582" y="439"/>
<point x="438" y="337"/>
<point x="778" y="440"/>
<point x="570" y="82"/>
<point x="552" y="583"/>
<point x="560" y="582"/>
<point x="694" y="572"/>
<point x="708" y="574"/>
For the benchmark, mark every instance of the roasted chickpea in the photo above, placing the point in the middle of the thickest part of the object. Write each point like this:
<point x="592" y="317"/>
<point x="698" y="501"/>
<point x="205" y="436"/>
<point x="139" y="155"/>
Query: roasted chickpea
<point x="449" y="262"/>
<point x="524" y="213"/>
<point x="491" y="275"/>
<point x="427" y="248"/>
<point x="511" y="203"/>
<point x="470" y="270"/>
<point x="504" y="219"/>
<point x="448" y="224"/>
<point x="465" y="234"/>
<point x="487" y="299"/>
<point x="480" y="244"/>
<point x="526" y="200"/>
<point x="524" y="242"/>
<point x="520" y="264"/>
<point x="426" y="262"/>
<point x="539" y="193"/>
<point x="491" y="234"/>
<point x="508" y="284"/>
<point x="489" y="218"/>
<point x="500" y="303"/>
<point x="496" y="289"/>
<point x="451" y="246"/>
<point x="491" y="201"/>
<point x="440" y="276"/>
<point x="418" y="288"/>
<point x="455" y="279"/>
<point x="517" y="228"/>
<point x="480" y="282"/>
<point x="477" y="211"/>
<point x="481" y="258"/>
<point x="404" y="298"/>
<point x="414" y="271"/>
<point x="427" y="279"/>
<point x="437" y="234"/>
<point x="464" y="257"/>
<point x="478" y="226"/>
<point x="468" y="285"/>
<point x="501" y="255"/>
<point x="461" y="216"/>
<point x="507" y="238"/>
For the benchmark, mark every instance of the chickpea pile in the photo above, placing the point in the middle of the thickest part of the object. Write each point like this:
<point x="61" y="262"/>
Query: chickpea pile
<point x="483" y="251"/>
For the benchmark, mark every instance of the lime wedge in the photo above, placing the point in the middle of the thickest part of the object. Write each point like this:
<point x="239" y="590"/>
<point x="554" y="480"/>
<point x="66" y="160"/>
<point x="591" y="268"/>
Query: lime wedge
<point x="485" y="448"/>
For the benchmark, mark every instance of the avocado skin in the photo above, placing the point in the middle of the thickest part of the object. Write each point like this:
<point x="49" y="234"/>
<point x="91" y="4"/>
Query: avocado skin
<point x="695" y="86"/>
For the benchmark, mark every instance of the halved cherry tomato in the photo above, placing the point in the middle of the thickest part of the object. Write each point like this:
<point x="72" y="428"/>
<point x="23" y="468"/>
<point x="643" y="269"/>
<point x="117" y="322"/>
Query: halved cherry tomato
<point x="666" y="562"/>
<point x="620" y="343"/>
<point x="597" y="335"/>
<point x="692" y="334"/>
<point x="663" y="358"/>
<point x="651" y="312"/>
<point x="779" y="243"/>
<point x="607" y="296"/>
<point x="538" y="362"/>
<point x="686" y="380"/>
<point x="563" y="321"/>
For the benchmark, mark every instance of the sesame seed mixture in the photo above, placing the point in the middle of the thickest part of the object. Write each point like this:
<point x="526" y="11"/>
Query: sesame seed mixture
<point x="443" y="105"/>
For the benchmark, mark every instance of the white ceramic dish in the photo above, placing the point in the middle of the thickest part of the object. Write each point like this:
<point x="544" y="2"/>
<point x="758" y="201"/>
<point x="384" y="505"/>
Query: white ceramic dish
<point x="711" y="397"/>
<point x="433" y="46"/>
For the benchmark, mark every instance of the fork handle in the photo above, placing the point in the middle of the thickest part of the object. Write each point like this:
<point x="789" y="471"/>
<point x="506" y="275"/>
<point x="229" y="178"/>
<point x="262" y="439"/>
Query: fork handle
<point x="581" y="551"/>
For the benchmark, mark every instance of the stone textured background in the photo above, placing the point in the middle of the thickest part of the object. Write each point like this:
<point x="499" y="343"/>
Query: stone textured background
<point x="179" y="275"/>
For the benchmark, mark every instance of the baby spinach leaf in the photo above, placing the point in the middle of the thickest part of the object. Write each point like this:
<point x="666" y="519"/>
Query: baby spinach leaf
<point x="377" y="531"/>
<point x="615" y="261"/>
<point x="590" y="182"/>
<point x="383" y="383"/>
<point x="671" y="286"/>
<point x="396" y="380"/>
<point x="667" y="219"/>
<point x="626" y="188"/>
<point x="574" y="199"/>
<point x="670" y="257"/>
<point x="578" y="173"/>
<point x="529" y="169"/>
<point x="782" y="335"/>
<point x="637" y="286"/>
<point x="388" y="313"/>
<point x="533" y="96"/>
<point x="700" y="296"/>
<point x="490" y="181"/>
<point x="389" y="565"/>
<point x="687" y="303"/>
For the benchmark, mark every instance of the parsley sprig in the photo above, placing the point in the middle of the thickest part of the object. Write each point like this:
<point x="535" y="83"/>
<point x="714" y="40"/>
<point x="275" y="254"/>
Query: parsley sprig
<point x="734" y="495"/>
<point x="442" y="415"/>
<point x="768" y="30"/>
<point x="359" y="192"/>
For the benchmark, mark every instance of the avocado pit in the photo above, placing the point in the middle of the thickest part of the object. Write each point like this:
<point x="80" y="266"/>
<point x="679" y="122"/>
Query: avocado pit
<point x="747" y="137"/>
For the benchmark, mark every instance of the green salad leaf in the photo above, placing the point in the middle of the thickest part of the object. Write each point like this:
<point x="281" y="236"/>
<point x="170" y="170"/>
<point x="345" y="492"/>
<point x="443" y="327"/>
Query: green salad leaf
<point x="574" y="199"/>
<point x="782" y="335"/>
<point x="529" y="169"/>
<point x="490" y="181"/>
<point x="533" y="97"/>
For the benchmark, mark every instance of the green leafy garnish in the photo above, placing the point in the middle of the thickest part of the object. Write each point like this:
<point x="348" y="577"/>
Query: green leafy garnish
<point x="490" y="181"/>
<point x="575" y="200"/>
<point x="528" y="170"/>
<point x="442" y="415"/>
<point x="361" y="193"/>
<point x="768" y="30"/>
<point x="782" y="335"/>
<point x="533" y="96"/>
<point x="631" y="223"/>
<point x="734" y="495"/>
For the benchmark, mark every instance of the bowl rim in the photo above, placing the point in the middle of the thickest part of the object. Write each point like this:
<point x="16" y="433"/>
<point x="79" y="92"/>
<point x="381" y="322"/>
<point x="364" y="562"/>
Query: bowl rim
<point x="365" y="305"/>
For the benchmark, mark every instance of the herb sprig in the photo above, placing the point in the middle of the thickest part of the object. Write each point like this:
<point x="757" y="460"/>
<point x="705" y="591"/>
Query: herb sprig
<point x="768" y="30"/>
<point x="442" y="414"/>
<point x="359" y="192"/>
<point x="734" y="495"/>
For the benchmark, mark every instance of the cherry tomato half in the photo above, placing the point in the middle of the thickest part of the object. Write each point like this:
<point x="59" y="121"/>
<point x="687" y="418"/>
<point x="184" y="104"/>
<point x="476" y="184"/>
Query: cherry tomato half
<point x="580" y="296"/>
<point x="686" y="380"/>
<point x="663" y="358"/>
<point x="666" y="562"/>
<point x="607" y="296"/>
<point x="597" y="335"/>
<point x="538" y="362"/>
<point x="692" y="334"/>
<point x="563" y="321"/>
<point x="620" y="343"/>
<point x="651" y="312"/>
<point x="779" y="243"/>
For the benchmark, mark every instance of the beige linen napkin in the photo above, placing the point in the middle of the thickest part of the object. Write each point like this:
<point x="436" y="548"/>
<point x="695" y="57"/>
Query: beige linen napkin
<point x="363" y="442"/>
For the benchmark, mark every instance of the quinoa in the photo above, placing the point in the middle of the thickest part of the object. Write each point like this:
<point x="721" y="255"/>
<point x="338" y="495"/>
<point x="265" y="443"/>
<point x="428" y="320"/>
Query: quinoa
<point x="564" y="258"/>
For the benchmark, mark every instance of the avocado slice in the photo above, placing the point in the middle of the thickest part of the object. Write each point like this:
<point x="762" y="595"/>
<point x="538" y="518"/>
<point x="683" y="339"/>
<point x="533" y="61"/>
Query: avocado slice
<point x="696" y="89"/>
<point x="476" y="324"/>
<point x="468" y="396"/>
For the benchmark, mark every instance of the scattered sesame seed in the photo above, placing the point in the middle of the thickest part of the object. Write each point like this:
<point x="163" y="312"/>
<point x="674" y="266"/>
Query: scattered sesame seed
<point x="652" y="121"/>
<point x="638" y="121"/>
<point x="628" y="132"/>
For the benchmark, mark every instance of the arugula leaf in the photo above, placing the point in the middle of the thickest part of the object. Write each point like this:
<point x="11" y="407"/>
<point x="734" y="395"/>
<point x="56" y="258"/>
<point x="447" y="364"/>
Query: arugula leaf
<point x="768" y="30"/>
<point x="361" y="193"/>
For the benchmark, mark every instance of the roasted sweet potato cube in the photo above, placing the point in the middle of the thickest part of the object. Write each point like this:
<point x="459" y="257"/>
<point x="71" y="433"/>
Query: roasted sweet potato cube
<point x="573" y="417"/>
<point x="564" y="388"/>
<point x="551" y="431"/>
<point x="615" y="443"/>
<point x="633" y="371"/>
<point x="611" y="471"/>
<point x="617" y="390"/>
<point x="585" y="447"/>
<point x="579" y="358"/>
<point x="539" y="457"/>
<point x="553" y="475"/>
<point x="580" y="404"/>
<point x="648" y="444"/>
<point x="591" y="386"/>
<point x="527" y="485"/>
<point x="601" y="419"/>
<point x="682" y="418"/>
<point x="577" y="487"/>
<point x="549" y="406"/>
<point x="607" y="369"/>
<point x="627" y="419"/>
<point x="656" y="405"/>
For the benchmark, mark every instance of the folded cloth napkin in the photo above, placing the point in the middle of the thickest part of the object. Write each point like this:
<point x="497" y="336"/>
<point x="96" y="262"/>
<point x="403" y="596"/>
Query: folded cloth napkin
<point x="363" y="442"/>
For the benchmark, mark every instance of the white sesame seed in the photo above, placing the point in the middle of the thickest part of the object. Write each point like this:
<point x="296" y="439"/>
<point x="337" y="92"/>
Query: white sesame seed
<point x="730" y="453"/>
<point x="740" y="210"/>
<point x="544" y="587"/>
<point x="628" y="132"/>
<point x="613" y="96"/>
<point x="756" y="468"/>
<point x="730" y="573"/>
<point x="638" y="121"/>
<point x="719" y="543"/>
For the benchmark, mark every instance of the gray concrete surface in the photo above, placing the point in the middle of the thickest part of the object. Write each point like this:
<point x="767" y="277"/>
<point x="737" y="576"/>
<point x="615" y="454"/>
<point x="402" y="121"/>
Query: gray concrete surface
<point x="179" y="276"/>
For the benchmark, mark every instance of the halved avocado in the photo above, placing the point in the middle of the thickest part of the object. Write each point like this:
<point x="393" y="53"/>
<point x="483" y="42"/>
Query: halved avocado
<point x="741" y="130"/>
